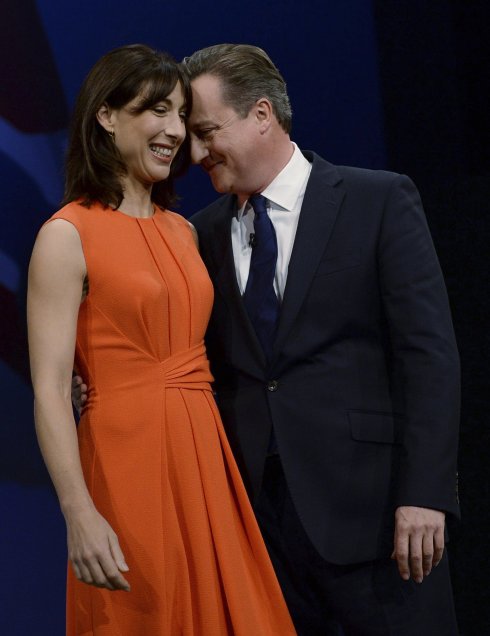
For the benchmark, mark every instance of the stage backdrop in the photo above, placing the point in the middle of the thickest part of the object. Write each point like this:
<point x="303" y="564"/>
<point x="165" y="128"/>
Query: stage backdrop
<point x="328" y="51"/>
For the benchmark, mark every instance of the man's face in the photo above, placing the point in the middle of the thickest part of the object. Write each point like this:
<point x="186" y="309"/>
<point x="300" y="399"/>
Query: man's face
<point x="221" y="142"/>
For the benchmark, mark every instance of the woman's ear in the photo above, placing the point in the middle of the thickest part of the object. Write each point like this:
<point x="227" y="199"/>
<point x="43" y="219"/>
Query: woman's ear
<point x="105" y="118"/>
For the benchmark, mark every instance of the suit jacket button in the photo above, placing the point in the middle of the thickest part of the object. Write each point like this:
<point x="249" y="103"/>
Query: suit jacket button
<point x="272" y="386"/>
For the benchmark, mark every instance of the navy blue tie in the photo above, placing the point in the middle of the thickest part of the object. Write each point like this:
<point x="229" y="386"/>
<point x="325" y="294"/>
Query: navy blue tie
<point x="260" y="298"/>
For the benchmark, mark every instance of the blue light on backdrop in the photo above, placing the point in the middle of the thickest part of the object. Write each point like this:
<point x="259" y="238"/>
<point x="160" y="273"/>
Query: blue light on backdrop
<point x="327" y="53"/>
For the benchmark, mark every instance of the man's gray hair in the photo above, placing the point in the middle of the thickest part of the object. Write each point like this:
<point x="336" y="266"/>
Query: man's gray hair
<point x="246" y="73"/>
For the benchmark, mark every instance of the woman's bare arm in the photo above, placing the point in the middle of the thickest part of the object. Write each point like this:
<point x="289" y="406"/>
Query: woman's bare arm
<point x="56" y="275"/>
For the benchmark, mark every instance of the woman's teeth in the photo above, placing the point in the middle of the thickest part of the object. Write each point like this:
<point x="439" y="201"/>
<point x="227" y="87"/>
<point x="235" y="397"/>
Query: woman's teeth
<point x="159" y="151"/>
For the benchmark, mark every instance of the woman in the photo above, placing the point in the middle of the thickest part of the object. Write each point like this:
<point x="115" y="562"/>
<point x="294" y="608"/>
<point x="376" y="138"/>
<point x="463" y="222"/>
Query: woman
<point x="152" y="498"/>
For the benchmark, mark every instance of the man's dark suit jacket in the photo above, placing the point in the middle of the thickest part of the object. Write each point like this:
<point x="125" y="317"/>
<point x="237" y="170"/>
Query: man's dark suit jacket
<point x="363" y="388"/>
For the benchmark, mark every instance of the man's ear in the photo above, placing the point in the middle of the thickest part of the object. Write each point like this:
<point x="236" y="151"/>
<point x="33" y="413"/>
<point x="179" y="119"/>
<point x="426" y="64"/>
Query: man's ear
<point x="263" y="113"/>
<point x="105" y="117"/>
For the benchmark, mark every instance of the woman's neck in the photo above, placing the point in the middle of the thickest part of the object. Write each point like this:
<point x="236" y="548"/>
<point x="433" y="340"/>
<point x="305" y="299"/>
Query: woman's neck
<point x="137" y="200"/>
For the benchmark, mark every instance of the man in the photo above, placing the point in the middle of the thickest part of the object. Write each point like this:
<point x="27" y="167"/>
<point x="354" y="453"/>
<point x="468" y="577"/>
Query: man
<point x="339" y="390"/>
<point x="337" y="373"/>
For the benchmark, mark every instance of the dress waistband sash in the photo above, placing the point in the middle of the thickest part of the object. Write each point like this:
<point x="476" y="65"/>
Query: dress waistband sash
<point x="188" y="369"/>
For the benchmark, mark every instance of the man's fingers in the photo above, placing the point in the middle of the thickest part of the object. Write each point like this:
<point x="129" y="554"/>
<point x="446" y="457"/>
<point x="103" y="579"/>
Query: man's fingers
<point x="423" y="528"/>
<point x="427" y="553"/>
<point x="77" y="384"/>
<point x="78" y="392"/>
<point x="438" y="546"/>
<point x="400" y="553"/>
<point x="416" y="562"/>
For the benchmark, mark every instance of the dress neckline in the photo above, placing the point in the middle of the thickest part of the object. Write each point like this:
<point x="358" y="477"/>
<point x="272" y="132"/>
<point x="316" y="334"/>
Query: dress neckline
<point x="156" y="211"/>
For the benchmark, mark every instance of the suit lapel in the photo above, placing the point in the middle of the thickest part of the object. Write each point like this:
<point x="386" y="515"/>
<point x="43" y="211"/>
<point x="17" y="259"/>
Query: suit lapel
<point x="226" y="280"/>
<point x="320" y="207"/>
<point x="222" y="250"/>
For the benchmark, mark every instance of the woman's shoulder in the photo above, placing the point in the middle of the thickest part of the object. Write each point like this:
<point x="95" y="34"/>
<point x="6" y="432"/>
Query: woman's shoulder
<point x="58" y="242"/>
<point x="179" y="224"/>
<point x="173" y="217"/>
<point x="76" y="213"/>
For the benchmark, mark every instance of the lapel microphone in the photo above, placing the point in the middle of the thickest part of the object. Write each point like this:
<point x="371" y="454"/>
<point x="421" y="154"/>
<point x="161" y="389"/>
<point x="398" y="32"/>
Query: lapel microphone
<point x="252" y="241"/>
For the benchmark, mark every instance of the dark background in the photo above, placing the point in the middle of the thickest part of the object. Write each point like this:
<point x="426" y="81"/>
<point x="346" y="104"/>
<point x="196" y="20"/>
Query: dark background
<point x="401" y="85"/>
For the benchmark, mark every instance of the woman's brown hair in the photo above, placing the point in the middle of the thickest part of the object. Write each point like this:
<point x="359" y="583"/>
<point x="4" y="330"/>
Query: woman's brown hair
<point x="93" y="163"/>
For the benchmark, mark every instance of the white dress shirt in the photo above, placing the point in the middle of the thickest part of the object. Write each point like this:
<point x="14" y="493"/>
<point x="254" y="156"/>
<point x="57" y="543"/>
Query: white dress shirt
<point x="284" y="199"/>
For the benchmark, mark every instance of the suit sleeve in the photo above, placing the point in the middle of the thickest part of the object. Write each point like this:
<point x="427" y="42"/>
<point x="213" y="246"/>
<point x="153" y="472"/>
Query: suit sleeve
<point x="426" y="372"/>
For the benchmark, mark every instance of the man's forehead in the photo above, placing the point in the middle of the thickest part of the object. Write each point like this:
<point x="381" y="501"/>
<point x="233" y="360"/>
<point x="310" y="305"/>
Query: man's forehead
<point x="200" y="119"/>
<point x="206" y="83"/>
<point x="207" y="111"/>
<point x="206" y="92"/>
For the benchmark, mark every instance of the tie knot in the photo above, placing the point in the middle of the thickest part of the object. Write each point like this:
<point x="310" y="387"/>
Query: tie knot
<point x="259" y="204"/>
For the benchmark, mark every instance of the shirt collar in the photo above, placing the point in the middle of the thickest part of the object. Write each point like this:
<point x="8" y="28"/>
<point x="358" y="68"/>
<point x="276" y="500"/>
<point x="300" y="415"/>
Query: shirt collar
<point x="286" y="188"/>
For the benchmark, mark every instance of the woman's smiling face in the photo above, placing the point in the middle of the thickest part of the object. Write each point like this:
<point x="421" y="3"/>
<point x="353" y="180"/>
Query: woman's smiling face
<point x="149" y="140"/>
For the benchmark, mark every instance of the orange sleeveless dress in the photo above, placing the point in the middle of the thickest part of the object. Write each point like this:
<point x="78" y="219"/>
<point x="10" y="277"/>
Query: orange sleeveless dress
<point x="154" y="453"/>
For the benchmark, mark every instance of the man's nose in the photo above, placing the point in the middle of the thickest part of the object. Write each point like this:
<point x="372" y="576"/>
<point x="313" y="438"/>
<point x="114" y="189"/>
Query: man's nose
<point x="199" y="150"/>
